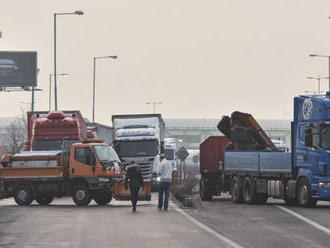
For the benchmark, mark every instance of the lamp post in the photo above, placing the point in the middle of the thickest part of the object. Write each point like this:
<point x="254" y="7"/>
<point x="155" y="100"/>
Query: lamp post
<point x="323" y="56"/>
<point x="94" y="76"/>
<point x="77" y="12"/>
<point x="318" y="82"/>
<point x="50" y="86"/>
<point x="154" y="105"/>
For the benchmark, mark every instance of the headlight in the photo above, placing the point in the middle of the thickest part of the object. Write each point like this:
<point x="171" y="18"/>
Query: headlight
<point x="158" y="179"/>
<point x="324" y="185"/>
<point x="103" y="180"/>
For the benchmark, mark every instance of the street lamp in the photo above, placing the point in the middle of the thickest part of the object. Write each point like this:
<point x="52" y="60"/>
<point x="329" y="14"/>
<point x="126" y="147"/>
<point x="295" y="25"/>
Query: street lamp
<point x="50" y="86"/>
<point x="324" y="56"/>
<point x="154" y="105"/>
<point x="318" y="82"/>
<point x="77" y="12"/>
<point x="94" y="75"/>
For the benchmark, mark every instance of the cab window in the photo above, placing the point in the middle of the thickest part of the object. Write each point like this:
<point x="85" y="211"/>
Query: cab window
<point x="85" y="156"/>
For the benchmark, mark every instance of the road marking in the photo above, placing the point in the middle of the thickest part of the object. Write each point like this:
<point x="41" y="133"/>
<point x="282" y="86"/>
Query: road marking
<point x="306" y="220"/>
<point x="222" y="238"/>
<point x="7" y="201"/>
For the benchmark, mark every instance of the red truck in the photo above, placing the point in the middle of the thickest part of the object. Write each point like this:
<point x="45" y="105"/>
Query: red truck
<point x="47" y="130"/>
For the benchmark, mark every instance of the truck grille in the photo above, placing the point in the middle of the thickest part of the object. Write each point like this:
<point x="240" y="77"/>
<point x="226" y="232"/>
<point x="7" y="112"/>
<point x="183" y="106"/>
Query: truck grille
<point x="146" y="170"/>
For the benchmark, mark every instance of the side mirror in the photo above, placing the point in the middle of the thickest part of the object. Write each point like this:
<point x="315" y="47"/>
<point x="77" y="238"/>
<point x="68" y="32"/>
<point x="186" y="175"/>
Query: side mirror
<point x="308" y="137"/>
<point x="162" y="147"/>
<point x="312" y="136"/>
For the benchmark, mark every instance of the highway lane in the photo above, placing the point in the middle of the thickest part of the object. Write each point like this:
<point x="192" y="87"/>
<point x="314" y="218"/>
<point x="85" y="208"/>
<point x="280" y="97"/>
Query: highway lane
<point x="62" y="224"/>
<point x="219" y="223"/>
<point x="266" y="225"/>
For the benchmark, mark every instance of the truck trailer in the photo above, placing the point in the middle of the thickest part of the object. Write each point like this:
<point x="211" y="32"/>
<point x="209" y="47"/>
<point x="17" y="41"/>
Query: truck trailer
<point x="88" y="170"/>
<point x="99" y="131"/>
<point x="139" y="138"/>
<point x="247" y="164"/>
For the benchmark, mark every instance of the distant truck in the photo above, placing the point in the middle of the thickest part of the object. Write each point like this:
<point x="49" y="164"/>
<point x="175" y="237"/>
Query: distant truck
<point x="247" y="164"/>
<point x="47" y="130"/>
<point x="280" y="145"/>
<point x="170" y="150"/>
<point x="89" y="171"/>
<point x="99" y="131"/>
<point x="139" y="138"/>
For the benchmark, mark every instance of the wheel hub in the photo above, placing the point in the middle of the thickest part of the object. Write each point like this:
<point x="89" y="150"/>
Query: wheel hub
<point x="22" y="195"/>
<point x="80" y="195"/>
<point x="303" y="193"/>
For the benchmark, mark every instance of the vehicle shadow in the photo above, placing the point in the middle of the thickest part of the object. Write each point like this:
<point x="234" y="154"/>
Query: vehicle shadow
<point x="91" y="206"/>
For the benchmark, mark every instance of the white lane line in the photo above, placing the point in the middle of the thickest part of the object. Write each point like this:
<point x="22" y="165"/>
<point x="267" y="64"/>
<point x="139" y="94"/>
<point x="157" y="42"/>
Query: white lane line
<point x="222" y="238"/>
<point x="306" y="220"/>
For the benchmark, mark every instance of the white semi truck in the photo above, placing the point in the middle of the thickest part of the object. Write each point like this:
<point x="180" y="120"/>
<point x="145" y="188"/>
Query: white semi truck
<point x="170" y="150"/>
<point x="139" y="137"/>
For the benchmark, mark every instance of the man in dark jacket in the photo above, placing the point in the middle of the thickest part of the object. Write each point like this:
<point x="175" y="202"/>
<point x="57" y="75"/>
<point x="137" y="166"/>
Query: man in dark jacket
<point x="134" y="176"/>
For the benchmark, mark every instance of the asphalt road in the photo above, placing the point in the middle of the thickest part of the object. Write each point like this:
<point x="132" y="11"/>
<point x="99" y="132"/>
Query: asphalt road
<point x="219" y="223"/>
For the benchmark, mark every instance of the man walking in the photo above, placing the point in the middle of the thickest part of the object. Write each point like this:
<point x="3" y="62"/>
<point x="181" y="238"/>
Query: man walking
<point x="165" y="174"/>
<point x="134" y="176"/>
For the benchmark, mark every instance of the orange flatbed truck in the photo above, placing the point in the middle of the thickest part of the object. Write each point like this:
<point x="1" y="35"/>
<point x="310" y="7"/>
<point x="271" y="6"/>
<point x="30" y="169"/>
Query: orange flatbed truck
<point x="89" y="170"/>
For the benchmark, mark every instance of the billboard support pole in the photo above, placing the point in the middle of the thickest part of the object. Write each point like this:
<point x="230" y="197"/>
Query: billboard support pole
<point x="32" y="101"/>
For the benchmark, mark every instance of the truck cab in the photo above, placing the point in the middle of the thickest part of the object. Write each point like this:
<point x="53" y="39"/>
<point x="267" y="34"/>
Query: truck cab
<point x="48" y="130"/>
<point x="93" y="159"/>
<point x="86" y="171"/>
<point x="311" y="144"/>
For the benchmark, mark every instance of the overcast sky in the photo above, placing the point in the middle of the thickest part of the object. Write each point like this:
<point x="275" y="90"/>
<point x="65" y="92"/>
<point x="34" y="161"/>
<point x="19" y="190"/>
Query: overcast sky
<point x="201" y="59"/>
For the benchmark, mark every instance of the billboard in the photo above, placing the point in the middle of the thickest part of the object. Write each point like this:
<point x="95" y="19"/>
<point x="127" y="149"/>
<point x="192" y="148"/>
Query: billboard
<point x="18" y="69"/>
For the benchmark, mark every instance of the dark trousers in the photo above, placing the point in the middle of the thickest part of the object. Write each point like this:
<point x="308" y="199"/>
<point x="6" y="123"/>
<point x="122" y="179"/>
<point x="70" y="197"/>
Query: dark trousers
<point x="134" y="194"/>
<point x="164" y="187"/>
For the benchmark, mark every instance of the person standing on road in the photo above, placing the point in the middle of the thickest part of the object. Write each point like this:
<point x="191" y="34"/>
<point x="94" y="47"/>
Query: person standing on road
<point x="134" y="176"/>
<point x="165" y="174"/>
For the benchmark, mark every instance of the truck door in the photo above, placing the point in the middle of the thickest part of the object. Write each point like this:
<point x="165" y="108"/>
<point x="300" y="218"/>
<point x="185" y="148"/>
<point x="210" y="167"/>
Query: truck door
<point x="84" y="163"/>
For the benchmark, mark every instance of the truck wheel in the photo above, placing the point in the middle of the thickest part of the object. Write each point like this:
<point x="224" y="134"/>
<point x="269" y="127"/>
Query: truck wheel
<point x="81" y="196"/>
<point x="236" y="190"/>
<point x="304" y="195"/>
<point x="249" y="191"/>
<point x="103" y="198"/>
<point x="203" y="193"/>
<point x="23" y="195"/>
<point x="44" y="199"/>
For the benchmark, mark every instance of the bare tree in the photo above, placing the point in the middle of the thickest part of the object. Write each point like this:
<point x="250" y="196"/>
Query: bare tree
<point x="16" y="136"/>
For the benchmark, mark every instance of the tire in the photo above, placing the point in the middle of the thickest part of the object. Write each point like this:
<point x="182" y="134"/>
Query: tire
<point x="304" y="195"/>
<point x="203" y="193"/>
<point x="23" y="195"/>
<point x="81" y="196"/>
<point x="44" y="199"/>
<point x="249" y="191"/>
<point x="291" y="202"/>
<point x="236" y="190"/>
<point x="103" y="198"/>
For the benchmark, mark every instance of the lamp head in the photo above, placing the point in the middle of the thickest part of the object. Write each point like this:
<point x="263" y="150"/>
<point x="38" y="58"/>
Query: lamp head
<point x="79" y="12"/>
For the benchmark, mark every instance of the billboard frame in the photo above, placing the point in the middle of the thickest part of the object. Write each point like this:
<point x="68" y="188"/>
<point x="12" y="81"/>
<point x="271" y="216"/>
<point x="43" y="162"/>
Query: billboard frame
<point x="24" y="87"/>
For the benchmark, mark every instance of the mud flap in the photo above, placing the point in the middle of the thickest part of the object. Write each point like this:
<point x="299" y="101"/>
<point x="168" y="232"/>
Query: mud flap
<point x="120" y="193"/>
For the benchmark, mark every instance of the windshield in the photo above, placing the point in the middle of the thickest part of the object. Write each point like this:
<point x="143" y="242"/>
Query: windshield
<point x="106" y="153"/>
<point x="47" y="145"/>
<point x="169" y="154"/>
<point x="138" y="148"/>
<point x="325" y="136"/>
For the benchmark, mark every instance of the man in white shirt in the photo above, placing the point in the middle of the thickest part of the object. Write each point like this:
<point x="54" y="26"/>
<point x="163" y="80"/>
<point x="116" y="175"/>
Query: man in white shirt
<point x="165" y="173"/>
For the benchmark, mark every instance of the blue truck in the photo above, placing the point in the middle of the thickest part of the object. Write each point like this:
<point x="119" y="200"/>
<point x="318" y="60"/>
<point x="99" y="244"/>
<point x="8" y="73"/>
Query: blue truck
<point x="247" y="164"/>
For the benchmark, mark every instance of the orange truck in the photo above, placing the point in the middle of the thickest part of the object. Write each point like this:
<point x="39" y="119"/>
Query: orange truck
<point x="88" y="170"/>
